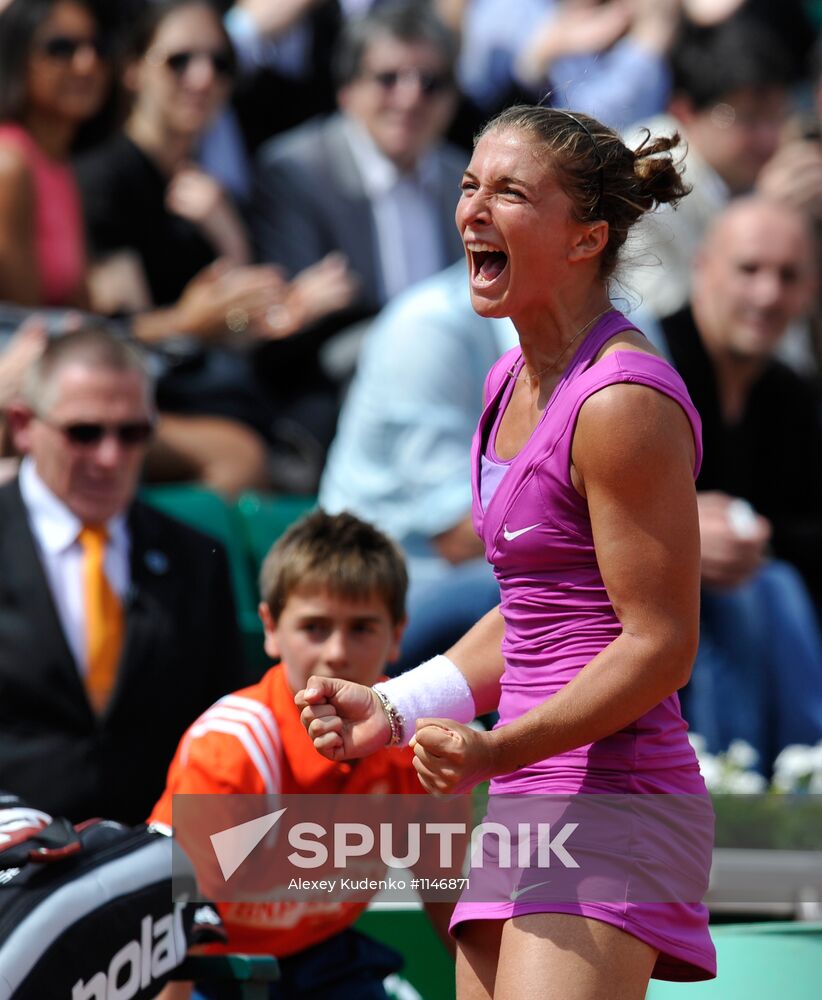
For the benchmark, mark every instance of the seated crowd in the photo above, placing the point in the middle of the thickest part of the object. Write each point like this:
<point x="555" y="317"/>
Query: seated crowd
<point x="228" y="257"/>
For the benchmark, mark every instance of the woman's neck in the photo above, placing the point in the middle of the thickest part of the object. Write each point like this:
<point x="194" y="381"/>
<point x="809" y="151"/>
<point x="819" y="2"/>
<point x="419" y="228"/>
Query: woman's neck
<point x="53" y="135"/>
<point x="549" y="338"/>
<point x="166" y="148"/>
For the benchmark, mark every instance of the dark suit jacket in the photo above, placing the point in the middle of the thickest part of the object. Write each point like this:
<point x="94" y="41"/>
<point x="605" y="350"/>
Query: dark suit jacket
<point x="310" y="200"/>
<point x="181" y="652"/>
<point x="772" y="456"/>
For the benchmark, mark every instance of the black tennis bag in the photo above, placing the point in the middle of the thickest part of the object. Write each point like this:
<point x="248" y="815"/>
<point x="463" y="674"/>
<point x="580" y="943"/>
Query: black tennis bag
<point x="86" y="912"/>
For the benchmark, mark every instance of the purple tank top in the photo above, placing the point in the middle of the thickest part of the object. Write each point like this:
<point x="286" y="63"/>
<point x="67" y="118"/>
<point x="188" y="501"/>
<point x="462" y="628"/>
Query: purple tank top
<point x="538" y="538"/>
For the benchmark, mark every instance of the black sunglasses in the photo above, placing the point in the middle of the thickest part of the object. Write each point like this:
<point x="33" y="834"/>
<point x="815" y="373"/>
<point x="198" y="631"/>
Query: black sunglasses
<point x="428" y="82"/>
<point x="65" y="47"/>
<point x="221" y="61"/>
<point x="128" y="433"/>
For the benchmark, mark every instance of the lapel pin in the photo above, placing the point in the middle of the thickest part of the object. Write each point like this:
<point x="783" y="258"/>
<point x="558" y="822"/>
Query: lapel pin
<point x="156" y="562"/>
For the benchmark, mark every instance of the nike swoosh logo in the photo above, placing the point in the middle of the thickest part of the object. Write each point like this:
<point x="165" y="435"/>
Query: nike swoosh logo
<point x="516" y="893"/>
<point x="509" y="536"/>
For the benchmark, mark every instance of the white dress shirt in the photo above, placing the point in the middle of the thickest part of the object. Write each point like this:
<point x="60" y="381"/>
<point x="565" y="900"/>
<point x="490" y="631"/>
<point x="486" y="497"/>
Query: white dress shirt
<point x="56" y="532"/>
<point x="406" y="213"/>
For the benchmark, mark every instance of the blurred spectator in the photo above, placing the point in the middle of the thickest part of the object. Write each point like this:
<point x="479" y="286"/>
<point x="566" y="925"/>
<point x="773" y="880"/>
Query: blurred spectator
<point x="141" y="189"/>
<point x="284" y="51"/>
<point x="790" y="21"/>
<point x="159" y="223"/>
<point x="347" y="182"/>
<point x="794" y="175"/>
<point x="144" y="195"/>
<point x="608" y="58"/>
<point x="350" y="183"/>
<point x="730" y="103"/>
<point x="758" y="674"/>
<point x="402" y="452"/>
<point x="117" y="623"/>
<point x="53" y="77"/>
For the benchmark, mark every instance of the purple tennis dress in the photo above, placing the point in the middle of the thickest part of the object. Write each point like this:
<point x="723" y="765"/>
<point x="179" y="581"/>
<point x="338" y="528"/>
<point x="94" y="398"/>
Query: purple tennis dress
<point x="537" y="535"/>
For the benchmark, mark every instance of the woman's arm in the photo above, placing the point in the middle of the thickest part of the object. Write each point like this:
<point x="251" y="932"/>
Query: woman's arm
<point x="19" y="271"/>
<point x="244" y="304"/>
<point x="347" y="720"/>
<point x="478" y="655"/>
<point x="632" y="457"/>
<point x="217" y="302"/>
<point x="195" y="195"/>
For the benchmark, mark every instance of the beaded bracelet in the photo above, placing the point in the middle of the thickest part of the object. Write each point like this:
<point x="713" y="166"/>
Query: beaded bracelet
<point x="435" y="689"/>
<point x="395" y="721"/>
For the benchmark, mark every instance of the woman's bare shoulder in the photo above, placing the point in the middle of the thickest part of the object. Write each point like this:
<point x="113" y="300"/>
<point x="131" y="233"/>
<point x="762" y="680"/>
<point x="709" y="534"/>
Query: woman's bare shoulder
<point x="628" y="340"/>
<point x="627" y="425"/>
<point x="13" y="159"/>
<point x="15" y="172"/>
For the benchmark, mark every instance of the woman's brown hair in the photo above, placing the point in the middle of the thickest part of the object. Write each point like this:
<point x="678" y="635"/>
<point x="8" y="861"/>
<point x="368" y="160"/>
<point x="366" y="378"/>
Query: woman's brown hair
<point x="603" y="177"/>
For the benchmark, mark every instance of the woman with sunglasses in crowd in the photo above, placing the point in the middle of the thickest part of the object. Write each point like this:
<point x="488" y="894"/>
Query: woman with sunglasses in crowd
<point x="157" y="221"/>
<point x="54" y="77"/>
<point x="142" y="189"/>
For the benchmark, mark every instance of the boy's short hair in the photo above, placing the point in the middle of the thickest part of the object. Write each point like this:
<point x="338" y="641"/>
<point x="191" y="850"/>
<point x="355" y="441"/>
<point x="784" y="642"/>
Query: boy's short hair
<point x="338" y="553"/>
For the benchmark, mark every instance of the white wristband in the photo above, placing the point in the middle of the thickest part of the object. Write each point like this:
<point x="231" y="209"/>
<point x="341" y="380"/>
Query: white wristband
<point x="434" y="689"/>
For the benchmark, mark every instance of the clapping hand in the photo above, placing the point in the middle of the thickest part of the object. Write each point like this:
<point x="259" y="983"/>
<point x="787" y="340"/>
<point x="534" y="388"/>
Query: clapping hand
<point x="222" y="299"/>
<point x="321" y="289"/>
<point x="255" y="302"/>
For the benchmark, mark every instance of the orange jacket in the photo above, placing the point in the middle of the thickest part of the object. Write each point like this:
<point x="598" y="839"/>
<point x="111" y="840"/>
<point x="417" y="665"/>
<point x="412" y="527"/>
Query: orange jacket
<point x="253" y="743"/>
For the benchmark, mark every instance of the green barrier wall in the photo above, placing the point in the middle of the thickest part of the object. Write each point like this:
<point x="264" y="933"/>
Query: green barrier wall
<point x="428" y="966"/>
<point x="764" y="961"/>
<point x="779" y="961"/>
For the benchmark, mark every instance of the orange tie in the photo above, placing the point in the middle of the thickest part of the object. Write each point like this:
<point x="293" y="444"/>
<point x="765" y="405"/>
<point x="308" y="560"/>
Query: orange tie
<point x="104" y="618"/>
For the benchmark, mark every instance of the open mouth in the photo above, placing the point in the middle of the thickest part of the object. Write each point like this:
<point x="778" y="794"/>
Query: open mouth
<point x="487" y="262"/>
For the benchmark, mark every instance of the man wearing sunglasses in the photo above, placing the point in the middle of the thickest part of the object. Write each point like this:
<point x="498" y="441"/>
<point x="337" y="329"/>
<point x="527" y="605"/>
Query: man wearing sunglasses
<point x="375" y="180"/>
<point x="117" y="623"/>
